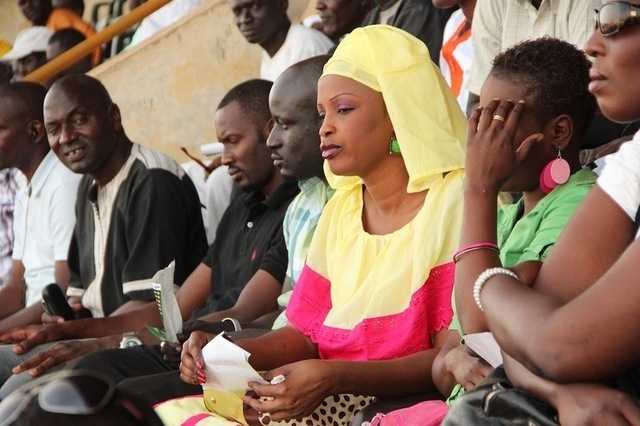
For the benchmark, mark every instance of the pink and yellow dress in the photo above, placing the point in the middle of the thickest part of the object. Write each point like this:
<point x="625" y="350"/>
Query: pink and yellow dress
<point x="376" y="297"/>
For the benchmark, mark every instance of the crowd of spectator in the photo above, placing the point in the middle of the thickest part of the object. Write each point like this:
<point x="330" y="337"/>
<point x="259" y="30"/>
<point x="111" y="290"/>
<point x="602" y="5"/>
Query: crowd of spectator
<point x="354" y="245"/>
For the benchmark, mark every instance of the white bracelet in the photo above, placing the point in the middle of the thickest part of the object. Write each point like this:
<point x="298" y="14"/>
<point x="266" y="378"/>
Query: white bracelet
<point x="484" y="277"/>
<point x="235" y="322"/>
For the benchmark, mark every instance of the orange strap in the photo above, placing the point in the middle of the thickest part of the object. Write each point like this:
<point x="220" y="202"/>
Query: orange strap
<point x="459" y="36"/>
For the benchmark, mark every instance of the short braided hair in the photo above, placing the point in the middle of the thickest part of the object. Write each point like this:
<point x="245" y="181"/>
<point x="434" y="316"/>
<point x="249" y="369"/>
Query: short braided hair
<point x="554" y="76"/>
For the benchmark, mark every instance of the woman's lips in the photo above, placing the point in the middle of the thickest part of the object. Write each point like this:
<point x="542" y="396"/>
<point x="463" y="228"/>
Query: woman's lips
<point x="329" y="150"/>
<point x="598" y="80"/>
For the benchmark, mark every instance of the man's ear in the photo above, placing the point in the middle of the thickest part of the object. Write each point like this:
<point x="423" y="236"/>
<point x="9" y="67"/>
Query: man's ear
<point x="116" y="118"/>
<point x="562" y="131"/>
<point x="266" y="130"/>
<point x="283" y="5"/>
<point x="36" y="130"/>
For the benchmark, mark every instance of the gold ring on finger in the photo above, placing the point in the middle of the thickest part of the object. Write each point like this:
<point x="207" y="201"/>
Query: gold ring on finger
<point x="498" y="117"/>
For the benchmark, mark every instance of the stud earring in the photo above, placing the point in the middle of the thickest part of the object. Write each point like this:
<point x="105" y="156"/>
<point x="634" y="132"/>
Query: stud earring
<point x="394" y="146"/>
<point x="555" y="173"/>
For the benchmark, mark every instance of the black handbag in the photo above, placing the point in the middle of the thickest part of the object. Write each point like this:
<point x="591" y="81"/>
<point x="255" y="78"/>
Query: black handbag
<point x="496" y="402"/>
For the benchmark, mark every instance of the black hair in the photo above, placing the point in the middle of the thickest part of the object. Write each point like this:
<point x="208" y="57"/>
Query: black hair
<point x="67" y="38"/>
<point x="253" y="97"/>
<point x="554" y="76"/>
<point x="87" y="84"/>
<point x="26" y="98"/>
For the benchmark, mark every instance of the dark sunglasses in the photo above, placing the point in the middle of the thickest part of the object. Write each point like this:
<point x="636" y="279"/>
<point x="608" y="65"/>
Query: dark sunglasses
<point x="67" y="392"/>
<point x="614" y="16"/>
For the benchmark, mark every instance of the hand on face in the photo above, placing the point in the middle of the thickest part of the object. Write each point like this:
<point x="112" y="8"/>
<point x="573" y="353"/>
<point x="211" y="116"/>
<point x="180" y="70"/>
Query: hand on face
<point x="492" y="156"/>
<point x="305" y="387"/>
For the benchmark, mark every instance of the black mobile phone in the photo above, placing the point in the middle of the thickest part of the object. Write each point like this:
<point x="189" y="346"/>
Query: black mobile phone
<point x="55" y="302"/>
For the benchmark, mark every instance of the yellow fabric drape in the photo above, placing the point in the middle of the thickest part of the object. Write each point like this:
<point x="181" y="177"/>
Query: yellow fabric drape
<point x="427" y="120"/>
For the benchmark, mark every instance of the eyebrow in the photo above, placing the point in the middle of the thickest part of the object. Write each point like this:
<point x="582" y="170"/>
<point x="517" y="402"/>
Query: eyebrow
<point x="67" y="115"/>
<point x="343" y="93"/>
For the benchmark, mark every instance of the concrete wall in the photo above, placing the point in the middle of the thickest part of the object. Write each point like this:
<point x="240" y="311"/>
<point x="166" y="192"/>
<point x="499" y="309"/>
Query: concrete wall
<point x="168" y="87"/>
<point x="11" y="20"/>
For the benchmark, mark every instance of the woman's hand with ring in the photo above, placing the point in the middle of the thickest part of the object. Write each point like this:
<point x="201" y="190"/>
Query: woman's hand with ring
<point x="492" y="156"/>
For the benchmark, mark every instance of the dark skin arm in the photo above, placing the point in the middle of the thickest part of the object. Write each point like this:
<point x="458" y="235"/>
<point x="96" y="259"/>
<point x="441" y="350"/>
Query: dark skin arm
<point x="487" y="140"/>
<point x="131" y="315"/>
<point x="32" y="314"/>
<point x="600" y="319"/>
<point x="577" y="403"/>
<point x="65" y="352"/>
<point x="13" y="293"/>
<point x="257" y="301"/>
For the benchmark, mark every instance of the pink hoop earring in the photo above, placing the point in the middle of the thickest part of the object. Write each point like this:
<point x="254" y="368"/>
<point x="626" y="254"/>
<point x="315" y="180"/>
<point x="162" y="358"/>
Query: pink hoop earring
<point x="555" y="173"/>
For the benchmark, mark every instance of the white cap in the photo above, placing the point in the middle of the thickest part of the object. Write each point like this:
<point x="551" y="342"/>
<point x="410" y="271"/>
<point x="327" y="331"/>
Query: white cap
<point x="29" y="40"/>
<point x="212" y="148"/>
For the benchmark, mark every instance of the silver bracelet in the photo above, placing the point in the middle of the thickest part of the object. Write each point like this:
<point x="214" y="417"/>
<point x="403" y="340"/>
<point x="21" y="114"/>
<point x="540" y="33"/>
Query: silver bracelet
<point x="235" y="322"/>
<point x="484" y="277"/>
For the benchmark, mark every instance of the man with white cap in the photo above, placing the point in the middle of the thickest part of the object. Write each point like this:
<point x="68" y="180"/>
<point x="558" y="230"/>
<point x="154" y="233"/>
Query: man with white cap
<point x="29" y="51"/>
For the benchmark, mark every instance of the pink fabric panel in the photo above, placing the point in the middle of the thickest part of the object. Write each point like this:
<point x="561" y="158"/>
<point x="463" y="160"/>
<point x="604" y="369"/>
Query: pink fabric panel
<point x="385" y="337"/>
<point x="193" y="421"/>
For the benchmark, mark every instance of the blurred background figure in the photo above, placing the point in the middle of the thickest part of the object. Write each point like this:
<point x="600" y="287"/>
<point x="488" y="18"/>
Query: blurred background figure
<point x="29" y="51"/>
<point x="339" y="17"/>
<point x="60" y="42"/>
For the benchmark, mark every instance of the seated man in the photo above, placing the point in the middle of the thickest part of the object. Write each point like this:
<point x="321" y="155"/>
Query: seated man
<point x="294" y="142"/>
<point x="42" y="13"/>
<point x="419" y="18"/>
<point x="29" y="51"/>
<point x="136" y="211"/>
<point x="340" y="17"/>
<point x="249" y="248"/>
<point x="60" y="42"/>
<point x="44" y="215"/>
<point x="266" y="23"/>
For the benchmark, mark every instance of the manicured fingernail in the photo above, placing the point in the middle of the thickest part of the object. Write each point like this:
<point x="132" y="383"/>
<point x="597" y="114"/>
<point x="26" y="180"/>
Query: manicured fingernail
<point x="521" y="101"/>
<point x="540" y="138"/>
<point x="199" y="363"/>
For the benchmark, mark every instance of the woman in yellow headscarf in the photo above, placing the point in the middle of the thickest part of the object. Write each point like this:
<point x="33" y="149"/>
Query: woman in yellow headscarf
<point x="372" y="305"/>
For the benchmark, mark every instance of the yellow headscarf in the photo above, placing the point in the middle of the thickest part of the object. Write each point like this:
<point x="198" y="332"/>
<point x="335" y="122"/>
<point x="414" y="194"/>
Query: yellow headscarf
<point x="427" y="120"/>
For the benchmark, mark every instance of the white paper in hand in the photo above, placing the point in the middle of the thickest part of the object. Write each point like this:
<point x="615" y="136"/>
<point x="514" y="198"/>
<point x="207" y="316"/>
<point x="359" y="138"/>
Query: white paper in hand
<point x="485" y="345"/>
<point x="163" y="289"/>
<point x="226" y="366"/>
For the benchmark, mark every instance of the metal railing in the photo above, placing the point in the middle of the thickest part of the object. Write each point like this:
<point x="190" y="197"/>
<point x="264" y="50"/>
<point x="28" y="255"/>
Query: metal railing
<point x="81" y="50"/>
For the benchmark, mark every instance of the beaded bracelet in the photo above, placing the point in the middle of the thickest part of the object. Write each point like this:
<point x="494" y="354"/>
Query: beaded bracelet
<point x="472" y="247"/>
<point x="484" y="277"/>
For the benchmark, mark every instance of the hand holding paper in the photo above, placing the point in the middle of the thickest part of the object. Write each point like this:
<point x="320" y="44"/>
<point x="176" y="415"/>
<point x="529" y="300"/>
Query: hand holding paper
<point x="485" y="345"/>
<point x="227" y="367"/>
